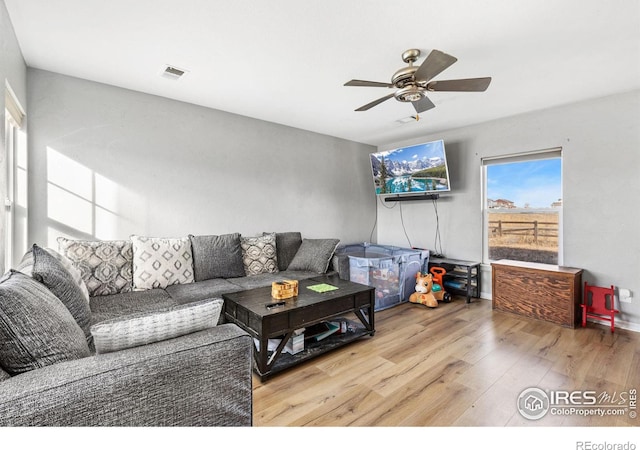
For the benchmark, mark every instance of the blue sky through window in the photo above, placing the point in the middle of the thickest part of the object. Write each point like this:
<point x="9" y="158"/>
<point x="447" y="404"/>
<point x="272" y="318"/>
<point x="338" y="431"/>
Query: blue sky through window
<point x="535" y="183"/>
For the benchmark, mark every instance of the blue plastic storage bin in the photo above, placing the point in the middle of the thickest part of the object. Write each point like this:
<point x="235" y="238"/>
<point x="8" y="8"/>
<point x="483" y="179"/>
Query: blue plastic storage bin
<point x="391" y="270"/>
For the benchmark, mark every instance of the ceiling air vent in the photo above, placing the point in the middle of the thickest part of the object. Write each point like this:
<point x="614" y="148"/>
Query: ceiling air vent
<point x="409" y="119"/>
<point x="173" y="72"/>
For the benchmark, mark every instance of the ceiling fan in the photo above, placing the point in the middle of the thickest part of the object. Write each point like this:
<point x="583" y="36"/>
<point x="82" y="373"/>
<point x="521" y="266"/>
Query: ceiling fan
<point x="413" y="82"/>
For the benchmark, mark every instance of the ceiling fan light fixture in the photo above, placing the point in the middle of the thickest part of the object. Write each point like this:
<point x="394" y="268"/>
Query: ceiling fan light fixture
<point x="410" y="94"/>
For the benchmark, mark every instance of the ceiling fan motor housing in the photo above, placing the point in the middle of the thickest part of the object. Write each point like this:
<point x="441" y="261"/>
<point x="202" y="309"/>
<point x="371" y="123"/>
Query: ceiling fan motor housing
<point x="404" y="77"/>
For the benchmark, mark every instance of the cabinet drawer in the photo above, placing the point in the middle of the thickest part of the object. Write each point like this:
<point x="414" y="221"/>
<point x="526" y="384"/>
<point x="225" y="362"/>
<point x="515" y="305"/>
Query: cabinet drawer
<point x="275" y="325"/>
<point x="363" y="299"/>
<point x="314" y="313"/>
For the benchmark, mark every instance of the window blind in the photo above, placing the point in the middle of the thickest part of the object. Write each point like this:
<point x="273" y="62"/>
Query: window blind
<point x="520" y="157"/>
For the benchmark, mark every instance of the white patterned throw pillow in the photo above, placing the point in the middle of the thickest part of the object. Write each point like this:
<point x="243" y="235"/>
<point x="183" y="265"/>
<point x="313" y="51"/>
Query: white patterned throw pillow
<point x="146" y="328"/>
<point x="161" y="262"/>
<point x="259" y="254"/>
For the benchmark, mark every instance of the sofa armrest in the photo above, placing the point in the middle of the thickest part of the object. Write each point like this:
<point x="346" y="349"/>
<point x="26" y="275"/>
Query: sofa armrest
<point x="200" y="379"/>
<point x="340" y="265"/>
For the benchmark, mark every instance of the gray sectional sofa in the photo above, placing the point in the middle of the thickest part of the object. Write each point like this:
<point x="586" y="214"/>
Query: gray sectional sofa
<point x="137" y="335"/>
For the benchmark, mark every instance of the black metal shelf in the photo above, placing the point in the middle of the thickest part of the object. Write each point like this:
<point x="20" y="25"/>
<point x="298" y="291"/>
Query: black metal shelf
<point x="465" y="272"/>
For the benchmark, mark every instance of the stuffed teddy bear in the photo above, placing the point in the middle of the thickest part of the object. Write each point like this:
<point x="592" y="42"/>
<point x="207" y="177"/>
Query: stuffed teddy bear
<point x="424" y="291"/>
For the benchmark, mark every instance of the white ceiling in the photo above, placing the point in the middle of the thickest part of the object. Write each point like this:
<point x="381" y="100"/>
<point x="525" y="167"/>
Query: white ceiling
<point x="286" y="61"/>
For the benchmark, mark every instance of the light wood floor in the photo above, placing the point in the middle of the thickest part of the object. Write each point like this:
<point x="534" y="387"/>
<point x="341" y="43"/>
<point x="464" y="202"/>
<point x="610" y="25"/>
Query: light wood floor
<point x="456" y="365"/>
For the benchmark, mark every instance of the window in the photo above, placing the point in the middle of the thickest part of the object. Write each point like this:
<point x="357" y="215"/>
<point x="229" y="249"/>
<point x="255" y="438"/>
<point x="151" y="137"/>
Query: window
<point x="15" y="185"/>
<point x="522" y="207"/>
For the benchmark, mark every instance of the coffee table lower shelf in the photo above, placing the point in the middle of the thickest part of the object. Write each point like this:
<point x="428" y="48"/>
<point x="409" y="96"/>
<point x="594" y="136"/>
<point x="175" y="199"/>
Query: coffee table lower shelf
<point x="313" y="349"/>
<point x="264" y="318"/>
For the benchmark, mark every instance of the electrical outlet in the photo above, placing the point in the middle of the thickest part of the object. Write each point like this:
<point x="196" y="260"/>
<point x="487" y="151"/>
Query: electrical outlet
<point x="624" y="295"/>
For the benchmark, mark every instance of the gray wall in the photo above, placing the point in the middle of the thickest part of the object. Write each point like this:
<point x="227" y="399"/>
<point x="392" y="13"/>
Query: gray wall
<point x="109" y="162"/>
<point x="600" y="140"/>
<point x="12" y="70"/>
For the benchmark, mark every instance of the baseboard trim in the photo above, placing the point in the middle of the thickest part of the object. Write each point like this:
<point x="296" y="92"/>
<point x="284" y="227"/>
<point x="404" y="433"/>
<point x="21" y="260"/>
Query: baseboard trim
<point x="620" y="323"/>
<point x="624" y="324"/>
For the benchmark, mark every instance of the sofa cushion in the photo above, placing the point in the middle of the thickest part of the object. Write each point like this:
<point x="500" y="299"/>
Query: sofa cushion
<point x="287" y="245"/>
<point x="73" y="271"/>
<point x="161" y="262"/>
<point x="127" y="303"/>
<point x="106" y="266"/>
<point x="217" y="256"/>
<point x="215" y="287"/>
<point x="314" y="255"/>
<point x="36" y="329"/>
<point x="142" y="329"/>
<point x="259" y="254"/>
<point x="26" y="267"/>
<point x="50" y="272"/>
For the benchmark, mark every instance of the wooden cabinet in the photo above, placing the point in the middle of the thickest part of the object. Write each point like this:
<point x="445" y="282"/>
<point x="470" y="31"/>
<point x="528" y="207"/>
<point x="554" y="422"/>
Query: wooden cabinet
<point x="540" y="291"/>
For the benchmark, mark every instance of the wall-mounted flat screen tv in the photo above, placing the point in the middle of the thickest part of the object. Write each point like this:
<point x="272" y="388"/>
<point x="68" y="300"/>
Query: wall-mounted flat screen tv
<point x="415" y="169"/>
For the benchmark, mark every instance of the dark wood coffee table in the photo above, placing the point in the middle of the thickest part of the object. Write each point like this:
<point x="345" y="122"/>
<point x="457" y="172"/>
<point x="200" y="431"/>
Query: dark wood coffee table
<point x="266" y="318"/>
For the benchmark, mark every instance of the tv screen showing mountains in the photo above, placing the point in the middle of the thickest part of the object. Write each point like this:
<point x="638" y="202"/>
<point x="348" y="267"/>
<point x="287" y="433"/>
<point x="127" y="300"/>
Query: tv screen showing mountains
<point x="415" y="169"/>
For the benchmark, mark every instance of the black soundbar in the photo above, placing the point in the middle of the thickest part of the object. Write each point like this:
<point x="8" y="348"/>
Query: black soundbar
<point x="408" y="198"/>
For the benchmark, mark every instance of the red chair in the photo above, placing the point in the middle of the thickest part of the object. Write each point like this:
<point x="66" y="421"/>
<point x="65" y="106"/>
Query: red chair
<point x="598" y="304"/>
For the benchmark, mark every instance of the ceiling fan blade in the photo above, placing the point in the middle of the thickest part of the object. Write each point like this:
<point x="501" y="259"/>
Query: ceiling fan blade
<point x="367" y="83"/>
<point x="374" y="103"/>
<point x="423" y="105"/>
<point x="435" y="63"/>
<point x="468" y="85"/>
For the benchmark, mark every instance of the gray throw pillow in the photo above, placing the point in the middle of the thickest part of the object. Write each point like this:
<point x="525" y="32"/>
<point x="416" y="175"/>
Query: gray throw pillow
<point x="26" y="264"/>
<point x="146" y="328"/>
<point x="50" y="272"/>
<point x="36" y="329"/>
<point x="73" y="271"/>
<point x="287" y="245"/>
<point x="314" y="255"/>
<point x="217" y="256"/>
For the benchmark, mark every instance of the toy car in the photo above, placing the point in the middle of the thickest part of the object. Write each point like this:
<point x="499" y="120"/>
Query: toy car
<point x="438" y="287"/>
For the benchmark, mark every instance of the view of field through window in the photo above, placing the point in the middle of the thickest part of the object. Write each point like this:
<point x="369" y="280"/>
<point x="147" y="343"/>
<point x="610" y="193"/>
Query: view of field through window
<point x="523" y="210"/>
<point x="524" y="236"/>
